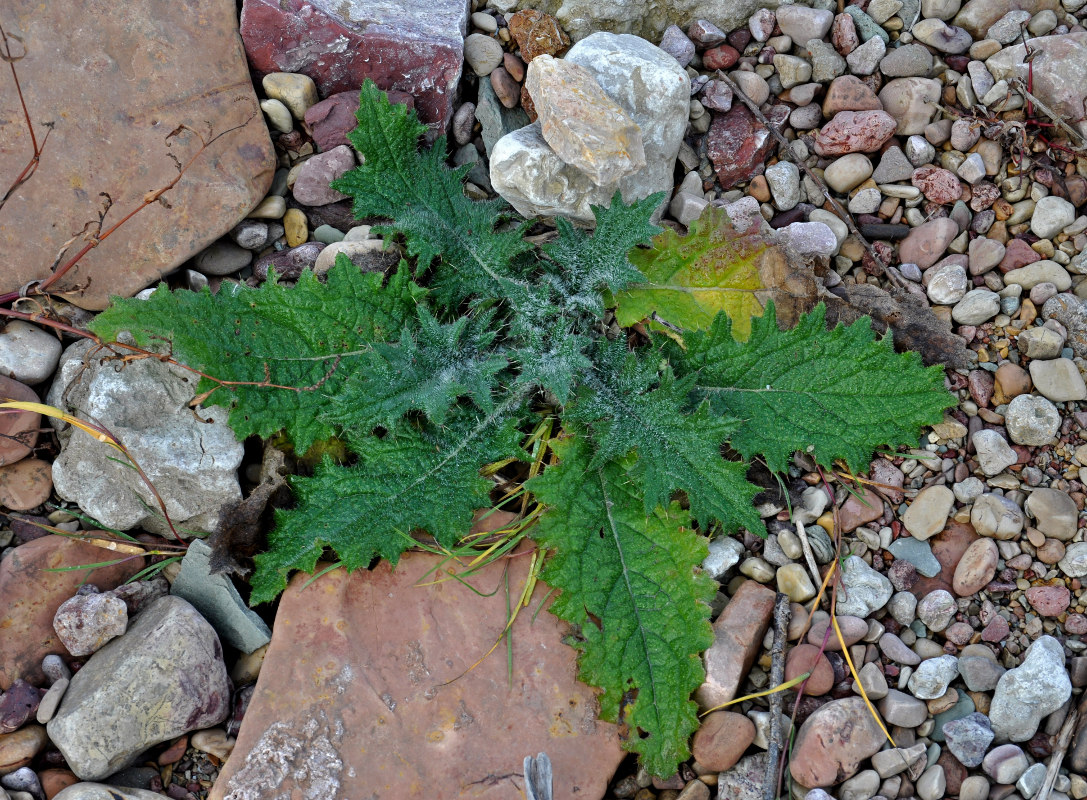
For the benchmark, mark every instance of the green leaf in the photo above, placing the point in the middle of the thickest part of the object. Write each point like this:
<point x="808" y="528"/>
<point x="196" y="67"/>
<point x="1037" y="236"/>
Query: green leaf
<point x="631" y="406"/>
<point x="406" y="480"/>
<point x="425" y="201"/>
<point x="629" y="581"/>
<point x="427" y="370"/>
<point x="309" y="337"/>
<point x="836" y="394"/>
<point x="690" y="278"/>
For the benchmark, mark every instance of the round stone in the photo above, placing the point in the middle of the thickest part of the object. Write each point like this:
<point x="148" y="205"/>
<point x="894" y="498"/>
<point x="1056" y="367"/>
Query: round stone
<point x="936" y="609"/>
<point x="847" y="172"/>
<point x="1032" y="420"/>
<point x="976" y="306"/>
<point x="1051" y="216"/>
<point x="296" y="91"/>
<point x="976" y="567"/>
<point x="807" y="658"/>
<point x="996" y="517"/>
<point x="279" y="116"/>
<point x="482" y="53"/>
<point x="296" y="227"/>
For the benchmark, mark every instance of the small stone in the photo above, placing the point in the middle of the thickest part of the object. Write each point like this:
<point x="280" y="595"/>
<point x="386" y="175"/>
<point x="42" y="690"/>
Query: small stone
<point x="932" y="677"/>
<point x="793" y="580"/>
<point x="506" y="89"/>
<point x="223" y="257"/>
<point x="929" y="511"/>
<point x="808" y="658"/>
<point x="926" y="243"/>
<point x="1074" y="563"/>
<point x="296" y="227"/>
<point x="721" y="740"/>
<point x="943" y="37"/>
<point x="976" y="307"/>
<point x="984" y="255"/>
<point x="893" y="167"/>
<point x="996" y="517"/>
<point x="27" y="353"/>
<point x="1058" y="380"/>
<point x="1055" y="513"/>
<point x="896" y="650"/>
<point x="864" y="60"/>
<point x="917" y="553"/>
<point x="898" y="708"/>
<point x="86" y="622"/>
<point x="213" y="741"/>
<point x="826" y="64"/>
<point x="279" y="116"/>
<point x="854" y="131"/>
<point x="911" y="60"/>
<point x="833" y="741"/>
<point x="51" y="700"/>
<point x="738" y="632"/>
<point x="271" y="207"/>
<point x="88" y="790"/>
<point x="1040" y="342"/>
<point x="311" y="187"/>
<point x="482" y="53"/>
<point x="1005" y="763"/>
<point x="724" y="553"/>
<point x="976" y="568"/>
<point x="866" y="590"/>
<point x="1051" y="216"/>
<point x="936" y="609"/>
<point x="26" y="484"/>
<point x="1028" y="693"/>
<point x="994" y="454"/>
<point x="1032" y="420"/>
<point x="18" y="749"/>
<point x="296" y="91"/>
<point x="938" y="185"/>
<point x="968" y="738"/>
<point x="911" y="102"/>
<point x="848" y="172"/>
<point x="537" y="33"/>
<point x="947" y="284"/>
<point x="1049" y="601"/>
<point x="676" y="44"/>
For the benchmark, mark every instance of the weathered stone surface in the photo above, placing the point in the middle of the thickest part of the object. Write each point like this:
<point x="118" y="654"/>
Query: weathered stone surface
<point x="649" y="85"/>
<point x="738" y="633"/>
<point x="1059" y="69"/>
<point x="855" y="132"/>
<point x="153" y="67"/>
<point x="103" y="791"/>
<point x="414" y="46"/>
<point x="833" y="742"/>
<point x="86" y="622"/>
<point x="738" y="144"/>
<point x="1026" y="694"/>
<point x="18" y="431"/>
<point x="215" y="597"/>
<point x="163" y="678"/>
<point x="585" y="127"/>
<point x="537" y="33"/>
<point x="361" y="695"/>
<point x="192" y="463"/>
<point x="30" y="597"/>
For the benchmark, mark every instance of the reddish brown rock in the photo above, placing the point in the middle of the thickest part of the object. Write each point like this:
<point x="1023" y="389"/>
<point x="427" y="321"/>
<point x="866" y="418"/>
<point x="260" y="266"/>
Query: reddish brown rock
<point x="854" y="132"/>
<point x="54" y="780"/>
<point x="537" y="34"/>
<point x="927" y="242"/>
<point x="849" y="93"/>
<point x="996" y="631"/>
<point x="412" y="46"/>
<point x="807" y="658"/>
<point x="1017" y="253"/>
<point x="890" y="479"/>
<point x="937" y="184"/>
<point x="147" y="67"/>
<point x="722" y="57"/>
<point x="1049" y="601"/>
<point x="856" y="511"/>
<point x="948" y="547"/>
<point x="721" y="739"/>
<point x="25" y="485"/>
<point x="738" y="144"/>
<point x="832" y="743"/>
<point x="1010" y="381"/>
<point x="738" y="633"/>
<point x="18" y="429"/>
<point x="18" y="749"/>
<point x="361" y="685"/>
<point x="843" y="34"/>
<point x="330" y="120"/>
<point x="976" y="568"/>
<point x="30" y="596"/>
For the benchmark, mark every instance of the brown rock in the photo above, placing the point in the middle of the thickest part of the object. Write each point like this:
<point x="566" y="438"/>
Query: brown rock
<point x="1017" y="253"/>
<point x="807" y="658"/>
<point x="721" y="739"/>
<point x="527" y="104"/>
<point x="833" y="742"/>
<point x="853" y="630"/>
<point x="514" y="66"/>
<point x="890" y="479"/>
<point x="849" y="93"/>
<point x="26" y="484"/>
<point x="1049" y="601"/>
<point x="1010" y="381"/>
<point x="30" y="597"/>
<point x="738" y="144"/>
<point x="976" y="568"/>
<point x="505" y="87"/>
<point x="927" y="242"/>
<point x="54" y="780"/>
<point x="18" y="430"/>
<point x="937" y="184"/>
<point x="18" y="749"/>
<point x="856" y="511"/>
<point x="721" y="57"/>
<point x="738" y="633"/>
<point x="153" y="67"/>
<point x="854" y="132"/>
<point x="537" y="34"/>
<point x="948" y="547"/>
<point x="954" y="772"/>
<point x="843" y="34"/>
<point x="361" y="694"/>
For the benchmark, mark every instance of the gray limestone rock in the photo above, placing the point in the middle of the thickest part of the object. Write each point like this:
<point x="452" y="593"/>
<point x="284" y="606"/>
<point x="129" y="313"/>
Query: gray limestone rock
<point x="494" y="118"/>
<point x="1027" y="694"/>
<point x="163" y="678"/>
<point x="191" y="457"/>
<point x="215" y="597"/>
<point x="865" y="589"/>
<point x="649" y="85"/>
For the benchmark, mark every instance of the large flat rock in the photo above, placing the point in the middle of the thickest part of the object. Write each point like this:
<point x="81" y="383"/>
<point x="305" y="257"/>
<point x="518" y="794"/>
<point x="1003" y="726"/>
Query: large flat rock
<point x="114" y="82"/>
<point x="368" y="690"/>
<point x="413" y="46"/>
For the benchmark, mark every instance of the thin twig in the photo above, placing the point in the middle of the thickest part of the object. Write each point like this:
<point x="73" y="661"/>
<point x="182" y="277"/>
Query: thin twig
<point x="777" y="676"/>
<point x="846" y="217"/>
<point x="1064" y="739"/>
<point x="1049" y="112"/>
<point x="809" y="556"/>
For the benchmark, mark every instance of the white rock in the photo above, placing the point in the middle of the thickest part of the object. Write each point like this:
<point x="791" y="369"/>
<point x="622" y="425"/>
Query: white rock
<point x="976" y="306"/>
<point x="1032" y="420"/>
<point x="866" y="590"/>
<point x="994" y="453"/>
<point x="1030" y="692"/>
<point x="27" y="353"/>
<point x="931" y="678"/>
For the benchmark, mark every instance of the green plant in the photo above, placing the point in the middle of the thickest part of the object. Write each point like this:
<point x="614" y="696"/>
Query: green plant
<point x="442" y="367"/>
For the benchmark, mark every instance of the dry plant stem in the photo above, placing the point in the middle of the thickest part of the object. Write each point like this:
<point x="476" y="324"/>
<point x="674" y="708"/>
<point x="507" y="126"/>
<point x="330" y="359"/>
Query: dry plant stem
<point x="35" y="158"/>
<point x="845" y="216"/>
<point x="809" y="556"/>
<point x="1018" y="84"/>
<point x="1064" y="739"/>
<point x="777" y="676"/>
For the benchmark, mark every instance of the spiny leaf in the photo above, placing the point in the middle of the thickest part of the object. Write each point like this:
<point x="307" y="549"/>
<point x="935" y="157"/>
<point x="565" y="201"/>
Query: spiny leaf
<point x="713" y="268"/>
<point x="310" y="337"/>
<point x="629" y="581"/>
<point x="425" y="201"/>
<point x="836" y="394"/>
<point x="406" y="480"/>
<point x="427" y="370"/>
<point x="631" y="406"/>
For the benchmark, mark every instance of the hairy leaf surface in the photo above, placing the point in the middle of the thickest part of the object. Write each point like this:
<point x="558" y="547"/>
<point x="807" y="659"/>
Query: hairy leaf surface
<point x="310" y="337"/>
<point x="425" y="201"/>
<point x="836" y="394"/>
<point x="631" y="406"/>
<point x="406" y="480"/>
<point x="628" y="580"/>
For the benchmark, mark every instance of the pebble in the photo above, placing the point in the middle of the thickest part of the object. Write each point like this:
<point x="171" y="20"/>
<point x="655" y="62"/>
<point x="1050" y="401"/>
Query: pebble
<point x="311" y="187"/>
<point x="51" y="701"/>
<point x="864" y="60"/>
<point x="85" y="623"/>
<point x="1005" y="763"/>
<point x="968" y="738"/>
<point x="272" y="207"/>
<point x="1054" y="512"/>
<point x="917" y="553"/>
<point x="801" y="23"/>
<point x="1058" y="379"/>
<point x="793" y="580"/>
<point x="1030" y="692"/>
<point x="784" y="181"/>
<point x="866" y="590"/>
<point x="278" y="115"/>
<point x="1032" y="420"/>
<point x="996" y="517"/>
<point x="223" y="257"/>
<point x="1049" y="601"/>
<point x="847" y="172"/>
<point x="936" y="609"/>
<point x="296" y="91"/>
<point x="932" y="677"/>
<point x="833" y="741"/>
<point x="937" y="184"/>
<point x="932" y="783"/>
<point x="853" y="132"/>
<point x="975" y="308"/>
<point x="482" y="53"/>
<point x="993" y="452"/>
<point x="896" y="650"/>
<point x="946" y="284"/>
<point x="898" y="708"/>
<point x="929" y="510"/>
<point x="976" y="568"/>
<point x="808" y="658"/>
<point x="1074" y="563"/>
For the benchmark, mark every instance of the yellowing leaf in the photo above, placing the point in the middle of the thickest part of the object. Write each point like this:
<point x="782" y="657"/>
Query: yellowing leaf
<point x="713" y="268"/>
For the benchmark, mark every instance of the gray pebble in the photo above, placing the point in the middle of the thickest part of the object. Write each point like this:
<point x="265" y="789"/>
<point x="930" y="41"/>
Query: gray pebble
<point x="223" y="257"/>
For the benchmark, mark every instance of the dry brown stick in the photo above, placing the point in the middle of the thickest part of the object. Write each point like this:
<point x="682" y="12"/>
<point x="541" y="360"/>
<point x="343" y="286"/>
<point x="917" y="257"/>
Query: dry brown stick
<point x="777" y="677"/>
<point x="845" y="216"/>
<point x="1064" y="739"/>
<point x="1018" y="84"/>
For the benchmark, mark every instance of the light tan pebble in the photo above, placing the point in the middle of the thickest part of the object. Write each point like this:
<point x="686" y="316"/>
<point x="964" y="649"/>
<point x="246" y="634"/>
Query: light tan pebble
<point x="51" y="700"/>
<point x="327" y="257"/>
<point x="793" y="580"/>
<point x="296" y="227"/>
<point x="272" y="207"/>
<point x="247" y="667"/>
<point x="213" y="741"/>
<point x="278" y="115"/>
<point x="296" y="91"/>
<point x="359" y="233"/>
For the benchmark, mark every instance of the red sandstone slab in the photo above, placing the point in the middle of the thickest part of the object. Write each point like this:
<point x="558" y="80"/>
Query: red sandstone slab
<point x="413" y="46"/>
<point x="367" y="691"/>
<point x="114" y="82"/>
<point x="738" y="633"/>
